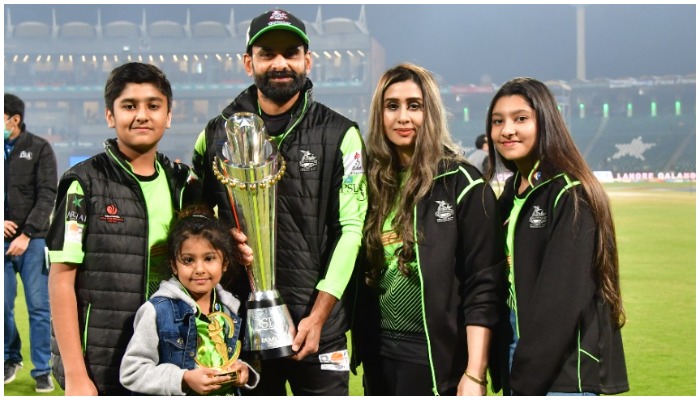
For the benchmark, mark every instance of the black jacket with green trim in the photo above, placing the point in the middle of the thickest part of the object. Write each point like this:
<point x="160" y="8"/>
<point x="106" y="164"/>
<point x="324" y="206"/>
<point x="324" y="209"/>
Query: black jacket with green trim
<point x="308" y="226"/>
<point x="461" y="263"/>
<point x="110" y="284"/>
<point x="567" y="341"/>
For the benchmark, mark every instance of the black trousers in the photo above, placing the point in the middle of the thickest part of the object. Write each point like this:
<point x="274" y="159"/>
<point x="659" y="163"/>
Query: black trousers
<point x="388" y="377"/>
<point x="306" y="377"/>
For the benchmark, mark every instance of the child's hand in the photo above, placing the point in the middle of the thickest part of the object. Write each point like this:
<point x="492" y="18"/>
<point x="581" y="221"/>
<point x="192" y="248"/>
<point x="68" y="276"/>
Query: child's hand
<point x="242" y="370"/>
<point x="204" y="380"/>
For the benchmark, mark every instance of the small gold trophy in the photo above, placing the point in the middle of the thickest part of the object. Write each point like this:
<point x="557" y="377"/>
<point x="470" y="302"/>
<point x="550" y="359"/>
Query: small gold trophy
<point x="216" y="333"/>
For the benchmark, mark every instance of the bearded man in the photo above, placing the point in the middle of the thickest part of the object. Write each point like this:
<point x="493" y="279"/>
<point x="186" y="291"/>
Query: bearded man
<point x="321" y="204"/>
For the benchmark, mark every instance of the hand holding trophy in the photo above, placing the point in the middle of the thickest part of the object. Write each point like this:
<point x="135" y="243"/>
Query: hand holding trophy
<point x="249" y="165"/>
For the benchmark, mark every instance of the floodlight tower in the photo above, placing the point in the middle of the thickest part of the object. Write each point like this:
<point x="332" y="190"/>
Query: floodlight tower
<point x="580" y="42"/>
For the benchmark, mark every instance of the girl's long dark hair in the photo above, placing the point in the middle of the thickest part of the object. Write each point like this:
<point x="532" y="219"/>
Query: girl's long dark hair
<point x="558" y="153"/>
<point x="433" y="145"/>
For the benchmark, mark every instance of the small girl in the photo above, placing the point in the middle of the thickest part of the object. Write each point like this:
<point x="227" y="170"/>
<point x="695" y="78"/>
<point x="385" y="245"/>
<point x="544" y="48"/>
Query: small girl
<point x="186" y="336"/>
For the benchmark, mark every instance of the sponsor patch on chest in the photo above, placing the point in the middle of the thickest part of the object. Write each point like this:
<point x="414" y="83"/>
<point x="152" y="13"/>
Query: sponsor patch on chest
<point x="112" y="214"/>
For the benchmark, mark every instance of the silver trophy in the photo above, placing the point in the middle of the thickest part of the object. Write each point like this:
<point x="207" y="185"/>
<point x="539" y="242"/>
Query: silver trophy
<point x="249" y="165"/>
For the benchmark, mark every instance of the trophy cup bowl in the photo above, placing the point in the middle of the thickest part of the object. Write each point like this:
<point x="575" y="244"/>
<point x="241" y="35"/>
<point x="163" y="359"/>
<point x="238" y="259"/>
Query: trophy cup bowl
<point x="249" y="165"/>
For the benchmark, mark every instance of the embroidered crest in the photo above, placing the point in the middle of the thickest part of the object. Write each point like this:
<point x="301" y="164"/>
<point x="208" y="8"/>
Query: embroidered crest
<point x="308" y="161"/>
<point x="278" y="15"/>
<point x="538" y="219"/>
<point x="444" y="212"/>
<point x="27" y="155"/>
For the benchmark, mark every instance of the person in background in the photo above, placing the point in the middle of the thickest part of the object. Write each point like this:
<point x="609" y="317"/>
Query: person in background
<point x="191" y="308"/>
<point x="433" y="262"/>
<point x="480" y="157"/>
<point x="108" y="232"/>
<point x="30" y="191"/>
<point x="321" y="203"/>
<point x="564" y="284"/>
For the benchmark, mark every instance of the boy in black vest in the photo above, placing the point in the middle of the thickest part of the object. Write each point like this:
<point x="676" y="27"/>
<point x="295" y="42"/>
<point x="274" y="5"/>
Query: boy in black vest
<point x="108" y="232"/>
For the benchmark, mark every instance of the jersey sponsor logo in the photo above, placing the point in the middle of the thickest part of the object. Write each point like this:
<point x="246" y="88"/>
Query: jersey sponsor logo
<point x="444" y="212"/>
<point x="353" y="164"/>
<point x="538" y="219"/>
<point x="390" y="237"/>
<point x="308" y="162"/>
<point x="335" y="361"/>
<point x="112" y="214"/>
<point x="74" y="232"/>
<point x="359" y="189"/>
<point x="27" y="155"/>
<point x="74" y="209"/>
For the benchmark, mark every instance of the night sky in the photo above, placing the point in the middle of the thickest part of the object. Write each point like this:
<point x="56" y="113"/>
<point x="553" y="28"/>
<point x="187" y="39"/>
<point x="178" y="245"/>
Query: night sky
<point x="469" y="43"/>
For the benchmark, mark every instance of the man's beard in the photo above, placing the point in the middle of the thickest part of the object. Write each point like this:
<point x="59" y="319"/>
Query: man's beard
<point x="280" y="93"/>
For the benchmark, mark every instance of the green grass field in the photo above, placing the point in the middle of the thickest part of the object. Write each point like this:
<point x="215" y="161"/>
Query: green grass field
<point x="656" y="228"/>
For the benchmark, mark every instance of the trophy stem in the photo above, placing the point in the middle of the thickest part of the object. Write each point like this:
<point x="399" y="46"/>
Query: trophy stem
<point x="258" y="241"/>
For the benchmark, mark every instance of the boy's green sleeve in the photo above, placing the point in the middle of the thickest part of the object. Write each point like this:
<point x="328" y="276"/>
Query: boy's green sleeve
<point x="71" y="222"/>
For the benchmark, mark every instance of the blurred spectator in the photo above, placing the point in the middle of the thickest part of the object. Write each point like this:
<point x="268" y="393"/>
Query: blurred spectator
<point x="480" y="157"/>
<point x="30" y="190"/>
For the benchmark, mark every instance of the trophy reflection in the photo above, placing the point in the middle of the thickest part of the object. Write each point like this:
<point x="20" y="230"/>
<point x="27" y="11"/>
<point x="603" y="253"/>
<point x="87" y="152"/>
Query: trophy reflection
<point x="249" y="165"/>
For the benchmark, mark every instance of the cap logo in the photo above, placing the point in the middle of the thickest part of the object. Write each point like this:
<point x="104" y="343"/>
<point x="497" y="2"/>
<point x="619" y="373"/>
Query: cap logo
<point x="275" y="19"/>
<point x="278" y="16"/>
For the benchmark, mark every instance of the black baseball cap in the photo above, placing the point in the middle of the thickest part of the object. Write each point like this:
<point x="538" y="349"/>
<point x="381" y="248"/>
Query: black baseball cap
<point x="272" y="20"/>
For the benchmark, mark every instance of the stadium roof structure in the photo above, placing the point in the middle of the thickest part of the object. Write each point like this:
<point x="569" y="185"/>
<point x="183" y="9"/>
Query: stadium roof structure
<point x="44" y="37"/>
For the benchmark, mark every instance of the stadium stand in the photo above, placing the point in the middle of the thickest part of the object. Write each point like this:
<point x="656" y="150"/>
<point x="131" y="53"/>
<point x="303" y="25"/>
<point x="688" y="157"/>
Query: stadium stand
<point x="59" y="66"/>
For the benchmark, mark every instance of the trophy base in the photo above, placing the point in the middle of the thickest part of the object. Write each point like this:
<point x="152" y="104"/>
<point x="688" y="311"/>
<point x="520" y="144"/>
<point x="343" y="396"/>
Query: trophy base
<point x="270" y="354"/>
<point x="269" y="326"/>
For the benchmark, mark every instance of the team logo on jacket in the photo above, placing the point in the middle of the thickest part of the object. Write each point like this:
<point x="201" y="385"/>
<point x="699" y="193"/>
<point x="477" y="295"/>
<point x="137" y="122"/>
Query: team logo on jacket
<point x="444" y="212"/>
<point x="27" y="155"/>
<point x="308" y="162"/>
<point x="112" y="214"/>
<point x="538" y="219"/>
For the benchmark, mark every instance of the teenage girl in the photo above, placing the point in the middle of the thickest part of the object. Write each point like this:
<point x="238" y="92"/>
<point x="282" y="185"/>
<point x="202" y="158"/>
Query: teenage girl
<point x="564" y="298"/>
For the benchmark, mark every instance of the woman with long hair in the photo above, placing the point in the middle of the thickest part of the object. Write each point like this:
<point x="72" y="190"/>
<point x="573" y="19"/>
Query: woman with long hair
<point x="564" y="293"/>
<point x="432" y="258"/>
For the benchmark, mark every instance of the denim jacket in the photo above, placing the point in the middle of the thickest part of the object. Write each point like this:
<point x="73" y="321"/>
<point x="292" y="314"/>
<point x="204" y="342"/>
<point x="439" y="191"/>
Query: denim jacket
<point x="164" y="344"/>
